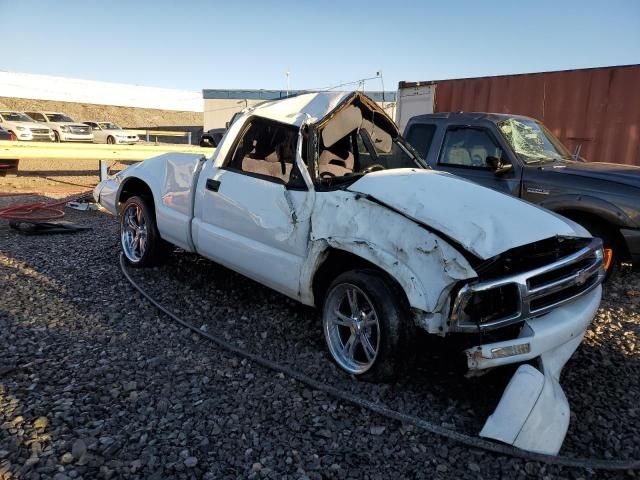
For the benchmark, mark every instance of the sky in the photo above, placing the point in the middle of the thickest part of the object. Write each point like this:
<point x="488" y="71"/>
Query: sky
<point x="192" y="45"/>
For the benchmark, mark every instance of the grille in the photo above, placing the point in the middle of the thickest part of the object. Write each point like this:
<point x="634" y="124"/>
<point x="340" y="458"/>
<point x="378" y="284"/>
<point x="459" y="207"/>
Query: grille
<point x="40" y="131"/>
<point x="536" y="291"/>
<point x="79" y="130"/>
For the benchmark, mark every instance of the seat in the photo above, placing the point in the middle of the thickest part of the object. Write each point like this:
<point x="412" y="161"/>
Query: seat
<point x="271" y="166"/>
<point x="458" y="156"/>
<point x="478" y="156"/>
<point x="335" y="164"/>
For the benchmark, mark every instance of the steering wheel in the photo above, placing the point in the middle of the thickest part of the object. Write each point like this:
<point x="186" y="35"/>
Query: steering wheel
<point x="326" y="174"/>
<point x="376" y="167"/>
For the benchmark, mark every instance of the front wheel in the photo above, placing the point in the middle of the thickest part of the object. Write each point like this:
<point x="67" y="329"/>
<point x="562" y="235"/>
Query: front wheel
<point x="366" y="326"/>
<point x="139" y="237"/>
<point x="111" y="140"/>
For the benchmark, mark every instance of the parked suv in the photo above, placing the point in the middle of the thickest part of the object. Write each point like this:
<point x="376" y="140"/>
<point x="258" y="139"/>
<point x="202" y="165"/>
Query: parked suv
<point x="24" y="128"/>
<point x="519" y="156"/>
<point x="65" y="129"/>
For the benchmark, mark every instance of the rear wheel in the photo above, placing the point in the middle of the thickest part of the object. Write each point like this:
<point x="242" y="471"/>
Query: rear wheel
<point x="366" y="326"/>
<point x="139" y="237"/>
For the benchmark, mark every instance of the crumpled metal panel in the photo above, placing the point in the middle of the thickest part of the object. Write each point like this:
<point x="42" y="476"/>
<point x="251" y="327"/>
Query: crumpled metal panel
<point x="481" y="220"/>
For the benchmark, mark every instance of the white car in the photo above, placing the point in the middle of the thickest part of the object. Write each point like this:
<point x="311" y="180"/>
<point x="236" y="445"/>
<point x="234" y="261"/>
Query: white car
<point x="64" y="128"/>
<point x="319" y="197"/>
<point x="109" y="132"/>
<point x="24" y="128"/>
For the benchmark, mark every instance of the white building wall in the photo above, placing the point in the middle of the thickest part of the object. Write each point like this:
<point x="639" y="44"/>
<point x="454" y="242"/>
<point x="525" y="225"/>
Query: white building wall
<point x="218" y="111"/>
<point x="45" y="87"/>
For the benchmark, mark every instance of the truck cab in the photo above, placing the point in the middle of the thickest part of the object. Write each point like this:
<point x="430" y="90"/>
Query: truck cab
<point x="519" y="156"/>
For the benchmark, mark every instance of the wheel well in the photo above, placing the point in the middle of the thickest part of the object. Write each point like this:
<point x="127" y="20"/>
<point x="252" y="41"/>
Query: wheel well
<point x="587" y="219"/>
<point x="337" y="262"/>
<point x="136" y="187"/>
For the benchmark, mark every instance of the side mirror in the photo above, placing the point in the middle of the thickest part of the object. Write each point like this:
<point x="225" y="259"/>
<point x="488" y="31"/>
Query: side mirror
<point x="493" y="162"/>
<point x="506" y="168"/>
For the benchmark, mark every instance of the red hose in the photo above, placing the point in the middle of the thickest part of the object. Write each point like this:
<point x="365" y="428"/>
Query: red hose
<point x="36" y="211"/>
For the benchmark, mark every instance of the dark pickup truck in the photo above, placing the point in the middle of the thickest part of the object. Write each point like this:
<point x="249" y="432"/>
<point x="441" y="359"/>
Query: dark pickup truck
<point x="519" y="156"/>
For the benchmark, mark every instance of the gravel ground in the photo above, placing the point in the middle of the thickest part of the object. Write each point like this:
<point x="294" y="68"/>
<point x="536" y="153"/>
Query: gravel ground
<point x="95" y="383"/>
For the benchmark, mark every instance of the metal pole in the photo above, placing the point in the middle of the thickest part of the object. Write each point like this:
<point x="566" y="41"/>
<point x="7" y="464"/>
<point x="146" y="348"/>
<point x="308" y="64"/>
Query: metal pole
<point x="287" y="74"/>
<point x="189" y="137"/>
<point x="104" y="170"/>
<point x="147" y="135"/>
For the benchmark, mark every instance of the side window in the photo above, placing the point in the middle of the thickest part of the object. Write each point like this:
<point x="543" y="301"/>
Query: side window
<point x="420" y="137"/>
<point x="38" y="117"/>
<point x="267" y="150"/>
<point x="469" y="147"/>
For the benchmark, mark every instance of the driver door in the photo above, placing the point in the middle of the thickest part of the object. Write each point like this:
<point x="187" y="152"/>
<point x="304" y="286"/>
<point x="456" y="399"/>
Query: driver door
<point x="466" y="151"/>
<point x="253" y="207"/>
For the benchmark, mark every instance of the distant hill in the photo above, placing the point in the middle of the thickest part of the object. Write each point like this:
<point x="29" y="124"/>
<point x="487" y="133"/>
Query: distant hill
<point x="130" y="117"/>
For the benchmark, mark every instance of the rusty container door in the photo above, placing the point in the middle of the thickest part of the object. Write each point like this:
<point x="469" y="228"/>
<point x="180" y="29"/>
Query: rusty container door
<point x="596" y="110"/>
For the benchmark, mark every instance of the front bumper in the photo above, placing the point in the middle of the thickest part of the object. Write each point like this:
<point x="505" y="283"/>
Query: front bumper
<point x="106" y="194"/>
<point x="632" y="240"/>
<point x="127" y="141"/>
<point x="533" y="413"/>
<point x="539" y="335"/>
<point x="34" y="137"/>
<point x="74" y="137"/>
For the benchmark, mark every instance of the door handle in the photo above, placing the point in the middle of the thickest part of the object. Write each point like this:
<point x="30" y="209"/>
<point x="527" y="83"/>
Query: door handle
<point x="213" y="185"/>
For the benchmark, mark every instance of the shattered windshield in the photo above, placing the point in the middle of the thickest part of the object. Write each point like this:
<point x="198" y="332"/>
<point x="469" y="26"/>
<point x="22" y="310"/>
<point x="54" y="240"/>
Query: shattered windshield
<point x="532" y="142"/>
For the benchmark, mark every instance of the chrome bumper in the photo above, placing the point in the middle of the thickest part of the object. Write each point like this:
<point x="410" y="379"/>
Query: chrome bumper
<point x="539" y="291"/>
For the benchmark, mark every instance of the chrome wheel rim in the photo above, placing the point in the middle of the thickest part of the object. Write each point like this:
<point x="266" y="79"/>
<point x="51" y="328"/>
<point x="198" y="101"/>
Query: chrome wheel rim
<point x="134" y="233"/>
<point x="351" y="328"/>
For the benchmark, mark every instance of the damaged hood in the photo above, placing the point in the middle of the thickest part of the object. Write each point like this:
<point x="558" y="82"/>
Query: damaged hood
<point x="483" y="221"/>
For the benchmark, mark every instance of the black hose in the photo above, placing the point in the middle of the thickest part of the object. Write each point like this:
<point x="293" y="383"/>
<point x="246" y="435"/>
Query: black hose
<point x="473" y="442"/>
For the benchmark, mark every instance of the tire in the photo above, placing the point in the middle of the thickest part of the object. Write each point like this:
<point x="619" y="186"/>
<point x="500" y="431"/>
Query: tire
<point x="371" y="337"/>
<point x="56" y="136"/>
<point x="12" y="136"/>
<point x="611" y="246"/>
<point x="139" y="237"/>
<point x="111" y="140"/>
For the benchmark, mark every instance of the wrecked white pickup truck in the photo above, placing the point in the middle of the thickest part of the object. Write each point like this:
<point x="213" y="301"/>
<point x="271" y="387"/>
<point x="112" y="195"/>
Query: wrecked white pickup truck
<point x="319" y="197"/>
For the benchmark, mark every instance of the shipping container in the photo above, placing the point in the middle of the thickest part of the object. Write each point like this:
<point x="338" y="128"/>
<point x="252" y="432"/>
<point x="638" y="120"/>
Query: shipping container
<point x="594" y="111"/>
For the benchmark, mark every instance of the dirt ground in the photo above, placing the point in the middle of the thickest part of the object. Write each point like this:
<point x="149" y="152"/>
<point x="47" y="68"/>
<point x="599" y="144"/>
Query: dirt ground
<point x="96" y="384"/>
<point x="124" y="116"/>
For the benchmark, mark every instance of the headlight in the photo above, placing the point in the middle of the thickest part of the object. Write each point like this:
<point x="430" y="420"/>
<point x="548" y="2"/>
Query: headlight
<point x="20" y="129"/>
<point x="486" y="306"/>
<point x="599" y="253"/>
<point x="64" y="128"/>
